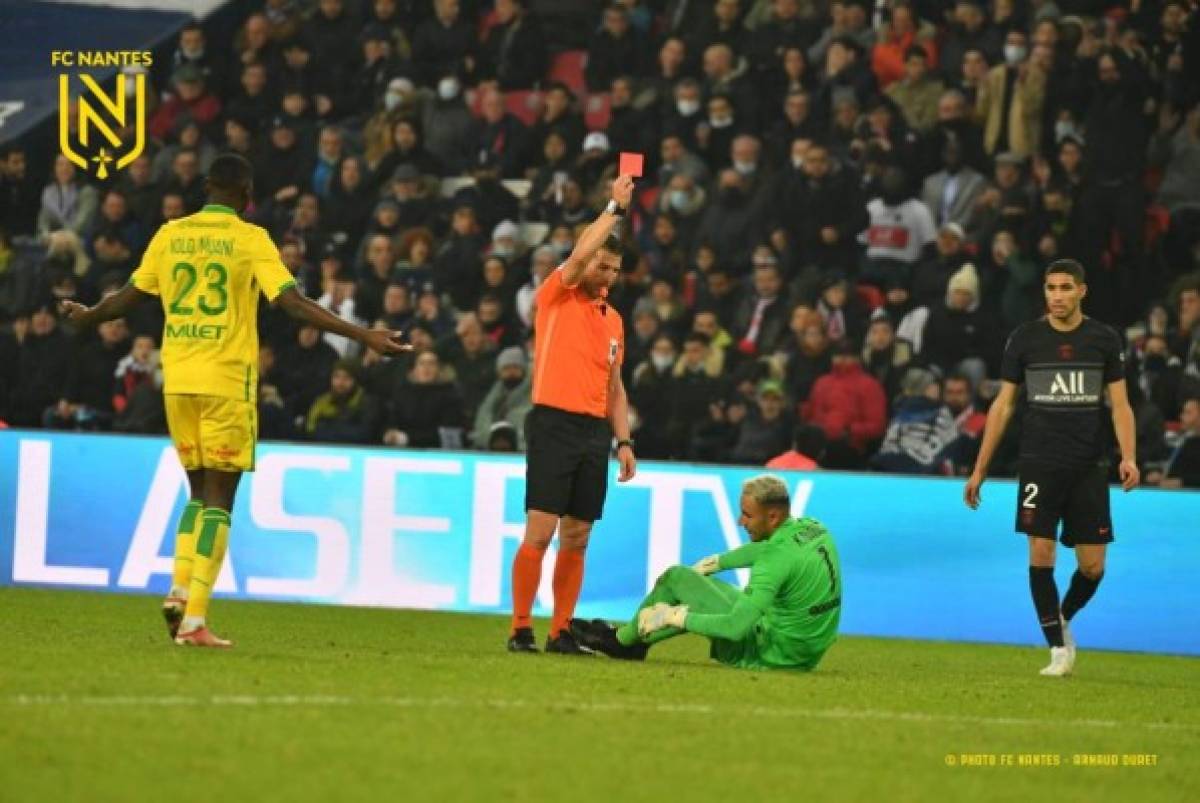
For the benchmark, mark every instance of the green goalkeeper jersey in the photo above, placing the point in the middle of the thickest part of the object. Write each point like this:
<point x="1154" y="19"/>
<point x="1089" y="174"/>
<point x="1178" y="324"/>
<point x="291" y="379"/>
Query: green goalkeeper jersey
<point x="788" y="615"/>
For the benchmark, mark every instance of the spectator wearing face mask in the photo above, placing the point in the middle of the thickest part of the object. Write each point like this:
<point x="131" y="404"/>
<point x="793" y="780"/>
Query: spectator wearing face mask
<point x="1009" y="104"/>
<point x="685" y="201"/>
<point x="448" y="124"/>
<point x="508" y="401"/>
<point x="651" y="394"/>
<point x="732" y="224"/>
<point x="715" y="134"/>
<point x="1160" y="375"/>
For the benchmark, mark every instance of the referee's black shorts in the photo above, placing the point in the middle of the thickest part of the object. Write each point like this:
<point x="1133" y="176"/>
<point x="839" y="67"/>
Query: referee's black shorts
<point x="1078" y="497"/>
<point x="566" y="463"/>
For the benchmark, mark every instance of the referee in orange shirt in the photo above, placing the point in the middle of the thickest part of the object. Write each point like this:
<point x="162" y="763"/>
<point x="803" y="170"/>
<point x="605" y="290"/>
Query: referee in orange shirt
<point x="579" y="403"/>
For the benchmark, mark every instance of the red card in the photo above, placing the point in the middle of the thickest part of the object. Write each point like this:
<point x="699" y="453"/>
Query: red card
<point x="631" y="164"/>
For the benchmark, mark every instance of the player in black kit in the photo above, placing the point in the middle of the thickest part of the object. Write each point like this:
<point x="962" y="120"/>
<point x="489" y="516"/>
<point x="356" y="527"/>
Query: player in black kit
<point x="1064" y="362"/>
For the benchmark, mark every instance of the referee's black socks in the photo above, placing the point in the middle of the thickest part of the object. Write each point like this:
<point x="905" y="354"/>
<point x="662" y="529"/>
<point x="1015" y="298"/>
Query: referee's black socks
<point x="1081" y="590"/>
<point x="1045" y="601"/>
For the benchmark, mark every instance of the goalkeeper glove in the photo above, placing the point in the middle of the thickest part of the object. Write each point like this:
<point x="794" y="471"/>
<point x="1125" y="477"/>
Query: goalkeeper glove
<point x="709" y="565"/>
<point x="661" y="615"/>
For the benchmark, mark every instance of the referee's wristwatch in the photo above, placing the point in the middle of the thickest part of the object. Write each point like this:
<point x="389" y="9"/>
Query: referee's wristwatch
<point x="615" y="208"/>
<point x="627" y="442"/>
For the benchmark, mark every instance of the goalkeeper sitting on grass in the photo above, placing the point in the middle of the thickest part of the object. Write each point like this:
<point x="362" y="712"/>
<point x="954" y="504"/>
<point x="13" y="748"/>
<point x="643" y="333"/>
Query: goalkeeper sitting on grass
<point x="786" y="618"/>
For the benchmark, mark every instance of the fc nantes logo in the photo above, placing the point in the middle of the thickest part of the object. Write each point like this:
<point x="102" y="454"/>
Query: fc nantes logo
<point x="107" y="129"/>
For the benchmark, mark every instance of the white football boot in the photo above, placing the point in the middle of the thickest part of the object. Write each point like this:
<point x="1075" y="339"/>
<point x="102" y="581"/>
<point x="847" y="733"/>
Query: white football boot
<point x="1060" y="663"/>
<point x="1068" y="641"/>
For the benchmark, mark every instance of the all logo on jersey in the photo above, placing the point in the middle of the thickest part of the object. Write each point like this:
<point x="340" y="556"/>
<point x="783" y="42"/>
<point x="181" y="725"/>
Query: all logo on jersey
<point x="1067" y="383"/>
<point x="1056" y="386"/>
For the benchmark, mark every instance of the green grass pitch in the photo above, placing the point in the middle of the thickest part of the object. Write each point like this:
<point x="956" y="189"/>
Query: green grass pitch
<point x="338" y="704"/>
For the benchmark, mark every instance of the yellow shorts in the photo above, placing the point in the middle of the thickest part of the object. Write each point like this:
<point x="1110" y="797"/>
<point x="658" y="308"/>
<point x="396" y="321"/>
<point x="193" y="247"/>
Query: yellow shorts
<point x="212" y="431"/>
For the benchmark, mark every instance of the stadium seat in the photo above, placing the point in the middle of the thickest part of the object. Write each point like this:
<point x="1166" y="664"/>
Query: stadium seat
<point x="597" y="111"/>
<point x="487" y="21"/>
<point x="517" y="186"/>
<point x="532" y="234"/>
<point x="452" y="184"/>
<point x="567" y="67"/>
<point x="869" y="295"/>
<point x="523" y="104"/>
<point x="648" y="198"/>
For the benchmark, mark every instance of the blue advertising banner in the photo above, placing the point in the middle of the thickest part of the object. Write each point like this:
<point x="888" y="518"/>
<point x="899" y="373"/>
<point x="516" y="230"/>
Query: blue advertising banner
<point x="437" y="530"/>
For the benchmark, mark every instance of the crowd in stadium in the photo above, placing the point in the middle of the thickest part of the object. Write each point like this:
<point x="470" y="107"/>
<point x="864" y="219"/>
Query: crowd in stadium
<point x="846" y="207"/>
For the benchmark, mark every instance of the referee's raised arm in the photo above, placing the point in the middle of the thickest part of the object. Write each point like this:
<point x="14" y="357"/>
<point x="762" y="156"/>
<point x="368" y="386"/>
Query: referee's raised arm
<point x="597" y="232"/>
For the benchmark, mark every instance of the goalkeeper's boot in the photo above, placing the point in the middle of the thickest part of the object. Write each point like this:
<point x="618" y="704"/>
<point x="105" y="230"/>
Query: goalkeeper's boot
<point x="1060" y="663"/>
<point x="202" y="637"/>
<point x="172" y="612"/>
<point x="565" y="644"/>
<point x="522" y="640"/>
<point x="599" y="636"/>
<point x="1068" y="641"/>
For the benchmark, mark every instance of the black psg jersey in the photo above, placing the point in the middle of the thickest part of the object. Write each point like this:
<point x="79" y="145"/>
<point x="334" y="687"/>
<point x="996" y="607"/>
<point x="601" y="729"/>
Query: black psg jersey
<point x="1063" y="376"/>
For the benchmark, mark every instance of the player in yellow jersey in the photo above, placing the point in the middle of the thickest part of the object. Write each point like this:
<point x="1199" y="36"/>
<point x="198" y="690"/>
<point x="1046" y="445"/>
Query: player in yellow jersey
<point x="208" y="269"/>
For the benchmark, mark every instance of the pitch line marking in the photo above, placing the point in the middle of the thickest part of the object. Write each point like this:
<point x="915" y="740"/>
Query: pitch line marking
<point x="333" y="700"/>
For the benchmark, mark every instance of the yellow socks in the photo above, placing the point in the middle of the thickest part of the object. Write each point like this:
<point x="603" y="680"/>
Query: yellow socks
<point x="185" y="548"/>
<point x="211" y="543"/>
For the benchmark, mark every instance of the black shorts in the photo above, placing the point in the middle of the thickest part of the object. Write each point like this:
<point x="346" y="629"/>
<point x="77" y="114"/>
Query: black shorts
<point x="566" y="463"/>
<point x="1077" y="497"/>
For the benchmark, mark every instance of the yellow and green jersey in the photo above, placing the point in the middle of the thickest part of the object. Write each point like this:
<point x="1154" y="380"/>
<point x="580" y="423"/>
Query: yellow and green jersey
<point x="208" y="269"/>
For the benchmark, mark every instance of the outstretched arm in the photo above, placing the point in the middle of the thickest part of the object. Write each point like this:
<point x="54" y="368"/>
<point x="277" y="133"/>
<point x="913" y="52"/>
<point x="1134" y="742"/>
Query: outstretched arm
<point x="305" y="309"/>
<point x="595" y="234"/>
<point x="113" y="305"/>
<point x="737" y="558"/>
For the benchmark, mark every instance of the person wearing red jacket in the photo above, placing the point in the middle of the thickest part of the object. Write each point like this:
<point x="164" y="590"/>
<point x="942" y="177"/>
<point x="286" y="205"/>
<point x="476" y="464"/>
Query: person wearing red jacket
<point x="850" y="405"/>
<point x="190" y="97"/>
<point x="896" y="37"/>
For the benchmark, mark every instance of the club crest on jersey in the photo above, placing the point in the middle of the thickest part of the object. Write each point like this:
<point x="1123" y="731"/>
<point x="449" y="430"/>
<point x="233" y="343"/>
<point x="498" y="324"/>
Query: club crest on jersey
<point x="1066" y="351"/>
<point x="612" y="350"/>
